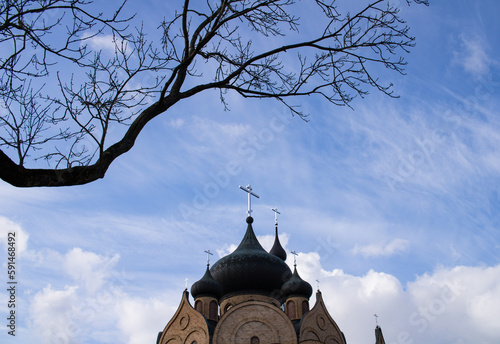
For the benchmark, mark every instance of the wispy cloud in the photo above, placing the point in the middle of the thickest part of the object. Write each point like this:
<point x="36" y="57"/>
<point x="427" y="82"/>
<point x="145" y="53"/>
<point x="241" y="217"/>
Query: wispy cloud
<point x="472" y="55"/>
<point x="390" y="248"/>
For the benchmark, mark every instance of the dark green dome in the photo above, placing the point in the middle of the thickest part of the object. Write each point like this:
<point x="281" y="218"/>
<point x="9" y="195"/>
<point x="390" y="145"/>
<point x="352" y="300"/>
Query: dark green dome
<point x="250" y="269"/>
<point x="206" y="286"/>
<point x="296" y="286"/>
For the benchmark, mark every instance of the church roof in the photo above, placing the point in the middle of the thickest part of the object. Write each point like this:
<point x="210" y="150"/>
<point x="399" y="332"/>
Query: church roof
<point x="296" y="286"/>
<point x="250" y="269"/>
<point x="206" y="286"/>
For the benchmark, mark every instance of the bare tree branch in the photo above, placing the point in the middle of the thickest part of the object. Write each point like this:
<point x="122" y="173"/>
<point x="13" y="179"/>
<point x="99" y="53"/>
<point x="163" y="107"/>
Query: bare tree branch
<point x="68" y="123"/>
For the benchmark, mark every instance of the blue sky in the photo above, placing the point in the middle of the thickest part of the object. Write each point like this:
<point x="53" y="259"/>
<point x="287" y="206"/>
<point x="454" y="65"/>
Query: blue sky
<point x="393" y="205"/>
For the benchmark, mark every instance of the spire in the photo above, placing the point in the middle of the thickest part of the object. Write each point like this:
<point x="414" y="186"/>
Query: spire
<point x="277" y="249"/>
<point x="379" y="337"/>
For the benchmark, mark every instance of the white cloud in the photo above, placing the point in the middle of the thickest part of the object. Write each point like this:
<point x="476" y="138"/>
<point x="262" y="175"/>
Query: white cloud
<point x="426" y="311"/>
<point x="20" y="236"/>
<point x="469" y="296"/>
<point x="100" y="42"/>
<point x="140" y="319"/>
<point x="390" y="248"/>
<point x="83" y="308"/>
<point x="89" y="269"/>
<point x="51" y="314"/>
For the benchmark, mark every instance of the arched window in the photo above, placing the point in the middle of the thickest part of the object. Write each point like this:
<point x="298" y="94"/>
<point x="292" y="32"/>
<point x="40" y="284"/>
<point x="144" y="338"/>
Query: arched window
<point x="213" y="310"/>
<point x="291" y="309"/>
<point x="254" y="340"/>
<point x="198" y="305"/>
<point x="305" y="307"/>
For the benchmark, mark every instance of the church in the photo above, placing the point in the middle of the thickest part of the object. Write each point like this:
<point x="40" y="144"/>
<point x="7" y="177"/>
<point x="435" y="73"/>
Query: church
<point x="251" y="296"/>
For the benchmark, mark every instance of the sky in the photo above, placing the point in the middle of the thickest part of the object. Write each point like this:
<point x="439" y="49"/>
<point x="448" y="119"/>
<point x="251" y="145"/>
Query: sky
<point x="392" y="205"/>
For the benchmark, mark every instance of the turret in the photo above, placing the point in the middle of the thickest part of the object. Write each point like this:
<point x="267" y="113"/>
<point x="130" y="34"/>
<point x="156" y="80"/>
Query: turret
<point x="296" y="292"/>
<point x="206" y="293"/>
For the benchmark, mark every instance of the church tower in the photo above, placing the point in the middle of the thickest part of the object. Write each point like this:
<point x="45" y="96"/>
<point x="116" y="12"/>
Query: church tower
<point x="251" y="297"/>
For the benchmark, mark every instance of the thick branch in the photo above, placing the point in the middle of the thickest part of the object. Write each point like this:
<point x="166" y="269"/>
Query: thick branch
<point x="23" y="177"/>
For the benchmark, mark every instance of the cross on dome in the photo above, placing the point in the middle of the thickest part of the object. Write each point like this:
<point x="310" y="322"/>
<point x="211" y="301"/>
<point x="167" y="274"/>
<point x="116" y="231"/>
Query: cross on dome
<point x="248" y="189"/>
<point x="295" y="254"/>
<point x="208" y="256"/>
<point x="276" y="212"/>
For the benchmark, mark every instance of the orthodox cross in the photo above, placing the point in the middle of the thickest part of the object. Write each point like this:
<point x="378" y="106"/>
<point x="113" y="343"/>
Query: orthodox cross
<point x="295" y="254"/>
<point x="186" y="283"/>
<point x="276" y="212"/>
<point x="317" y="281"/>
<point x="208" y="256"/>
<point x="376" y="319"/>
<point x="248" y="189"/>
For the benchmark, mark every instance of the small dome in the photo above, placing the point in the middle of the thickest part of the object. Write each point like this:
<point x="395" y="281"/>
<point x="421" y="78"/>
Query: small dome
<point x="277" y="249"/>
<point x="206" y="286"/>
<point x="250" y="269"/>
<point x="296" y="286"/>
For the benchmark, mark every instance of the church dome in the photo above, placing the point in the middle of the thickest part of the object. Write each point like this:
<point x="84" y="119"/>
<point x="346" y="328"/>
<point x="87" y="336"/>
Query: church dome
<point x="206" y="286"/>
<point x="250" y="269"/>
<point x="296" y="286"/>
<point x="277" y="249"/>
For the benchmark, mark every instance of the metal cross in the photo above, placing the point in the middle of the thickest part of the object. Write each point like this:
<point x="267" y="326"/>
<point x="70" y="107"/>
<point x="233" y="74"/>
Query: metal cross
<point x="376" y="319"/>
<point x="208" y="256"/>
<point x="186" y="283"/>
<point x="295" y="254"/>
<point x="276" y="212"/>
<point x="248" y="189"/>
<point x="317" y="281"/>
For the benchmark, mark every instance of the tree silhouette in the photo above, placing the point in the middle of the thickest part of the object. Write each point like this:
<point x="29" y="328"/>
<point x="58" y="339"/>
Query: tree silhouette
<point x="66" y="119"/>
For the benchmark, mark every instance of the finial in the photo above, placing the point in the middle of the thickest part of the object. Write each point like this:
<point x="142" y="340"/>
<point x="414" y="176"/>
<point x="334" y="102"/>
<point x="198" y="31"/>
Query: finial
<point x="317" y="283"/>
<point x="208" y="256"/>
<point x="186" y="283"/>
<point x="276" y="212"/>
<point x="295" y="254"/>
<point x="248" y="189"/>
<point x="376" y="319"/>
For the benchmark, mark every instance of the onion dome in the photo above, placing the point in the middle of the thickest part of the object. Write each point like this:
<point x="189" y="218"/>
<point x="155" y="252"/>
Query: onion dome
<point x="250" y="269"/>
<point x="277" y="249"/>
<point x="206" y="286"/>
<point x="296" y="286"/>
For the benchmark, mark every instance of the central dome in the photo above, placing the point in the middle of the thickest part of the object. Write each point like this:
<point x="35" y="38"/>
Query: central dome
<point x="250" y="269"/>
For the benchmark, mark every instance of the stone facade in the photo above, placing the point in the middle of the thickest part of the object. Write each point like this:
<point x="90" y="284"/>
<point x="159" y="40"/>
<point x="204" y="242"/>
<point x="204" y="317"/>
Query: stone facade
<point x="251" y="321"/>
<point x="186" y="326"/>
